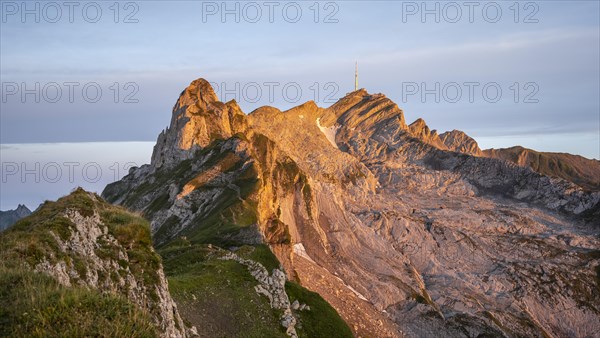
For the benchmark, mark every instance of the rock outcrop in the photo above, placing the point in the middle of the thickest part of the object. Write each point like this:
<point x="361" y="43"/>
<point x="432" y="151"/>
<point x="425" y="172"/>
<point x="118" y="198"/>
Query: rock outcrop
<point x="198" y="119"/>
<point x="572" y="168"/>
<point x="85" y="242"/>
<point x="458" y="141"/>
<point x="273" y="287"/>
<point x="420" y="130"/>
<point x="403" y="234"/>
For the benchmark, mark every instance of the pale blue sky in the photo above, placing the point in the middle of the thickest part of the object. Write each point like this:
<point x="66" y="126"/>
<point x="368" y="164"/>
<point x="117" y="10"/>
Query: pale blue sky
<point x="170" y="46"/>
<point x="35" y="172"/>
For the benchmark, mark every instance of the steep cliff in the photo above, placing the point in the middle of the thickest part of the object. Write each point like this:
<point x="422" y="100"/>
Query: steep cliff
<point x="234" y="194"/>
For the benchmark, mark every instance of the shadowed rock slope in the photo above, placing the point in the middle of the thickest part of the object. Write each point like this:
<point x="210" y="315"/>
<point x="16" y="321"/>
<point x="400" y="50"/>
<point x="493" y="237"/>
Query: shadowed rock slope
<point x="399" y="232"/>
<point x="573" y="168"/>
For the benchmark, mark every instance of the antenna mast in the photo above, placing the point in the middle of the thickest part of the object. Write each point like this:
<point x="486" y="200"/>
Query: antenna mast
<point x="355" y="76"/>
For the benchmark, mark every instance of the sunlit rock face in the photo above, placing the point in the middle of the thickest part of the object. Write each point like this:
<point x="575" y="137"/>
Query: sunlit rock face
<point x="404" y="232"/>
<point x="420" y="130"/>
<point x="458" y="141"/>
<point x="198" y="119"/>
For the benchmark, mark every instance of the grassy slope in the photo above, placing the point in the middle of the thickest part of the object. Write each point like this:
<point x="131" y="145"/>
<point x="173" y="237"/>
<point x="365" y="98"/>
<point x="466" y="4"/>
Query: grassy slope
<point x="34" y="304"/>
<point x="31" y="240"/>
<point x="216" y="295"/>
<point x="322" y="320"/>
<point x="219" y="295"/>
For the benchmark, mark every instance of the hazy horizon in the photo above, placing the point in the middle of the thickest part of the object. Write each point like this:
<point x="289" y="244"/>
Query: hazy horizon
<point x="17" y="190"/>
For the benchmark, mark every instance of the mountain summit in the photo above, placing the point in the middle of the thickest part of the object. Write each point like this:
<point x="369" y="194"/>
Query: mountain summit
<point x="403" y="231"/>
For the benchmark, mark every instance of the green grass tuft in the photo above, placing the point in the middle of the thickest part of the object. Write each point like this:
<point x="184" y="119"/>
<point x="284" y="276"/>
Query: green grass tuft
<point x="261" y="254"/>
<point x="35" y="305"/>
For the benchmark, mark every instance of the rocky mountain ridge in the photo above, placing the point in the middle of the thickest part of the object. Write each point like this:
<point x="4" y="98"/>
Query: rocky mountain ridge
<point x="573" y="168"/>
<point x="458" y="141"/>
<point x="399" y="232"/>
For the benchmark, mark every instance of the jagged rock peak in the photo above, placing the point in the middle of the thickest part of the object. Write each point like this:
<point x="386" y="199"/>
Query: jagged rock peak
<point x="418" y="123"/>
<point x="199" y="91"/>
<point x="458" y="141"/>
<point x="198" y="119"/>
<point x="22" y="208"/>
<point x="9" y="217"/>
<point x="359" y="92"/>
<point x="420" y="130"/>
<point x="363" y="210"/>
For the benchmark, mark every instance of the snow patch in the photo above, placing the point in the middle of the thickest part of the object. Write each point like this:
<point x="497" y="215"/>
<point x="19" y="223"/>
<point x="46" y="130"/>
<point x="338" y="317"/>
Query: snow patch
<point x="328" y="132"/>
<point x="358" y="294"/>
<point x="301" y="251"/>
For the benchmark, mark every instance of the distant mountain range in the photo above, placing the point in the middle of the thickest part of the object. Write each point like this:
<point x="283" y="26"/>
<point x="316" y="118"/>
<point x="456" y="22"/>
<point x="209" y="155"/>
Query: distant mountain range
<point x="573" y="168"/>
<point x="10" y="217"/>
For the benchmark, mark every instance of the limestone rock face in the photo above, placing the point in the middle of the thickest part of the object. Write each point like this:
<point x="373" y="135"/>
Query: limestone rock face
<point x="83" y="242"/>
<point x="198" y="119"/>
<point x="400" y="235"/>
<point x="299" y="142"/>
<point x="572" y="168"/>
<point x="364" y="118"/>
<point x="458" y="141"/>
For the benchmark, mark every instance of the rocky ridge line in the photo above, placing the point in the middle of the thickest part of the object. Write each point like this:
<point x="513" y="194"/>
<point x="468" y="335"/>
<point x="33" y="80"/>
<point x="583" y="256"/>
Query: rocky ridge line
<point x="273" y="287"/>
